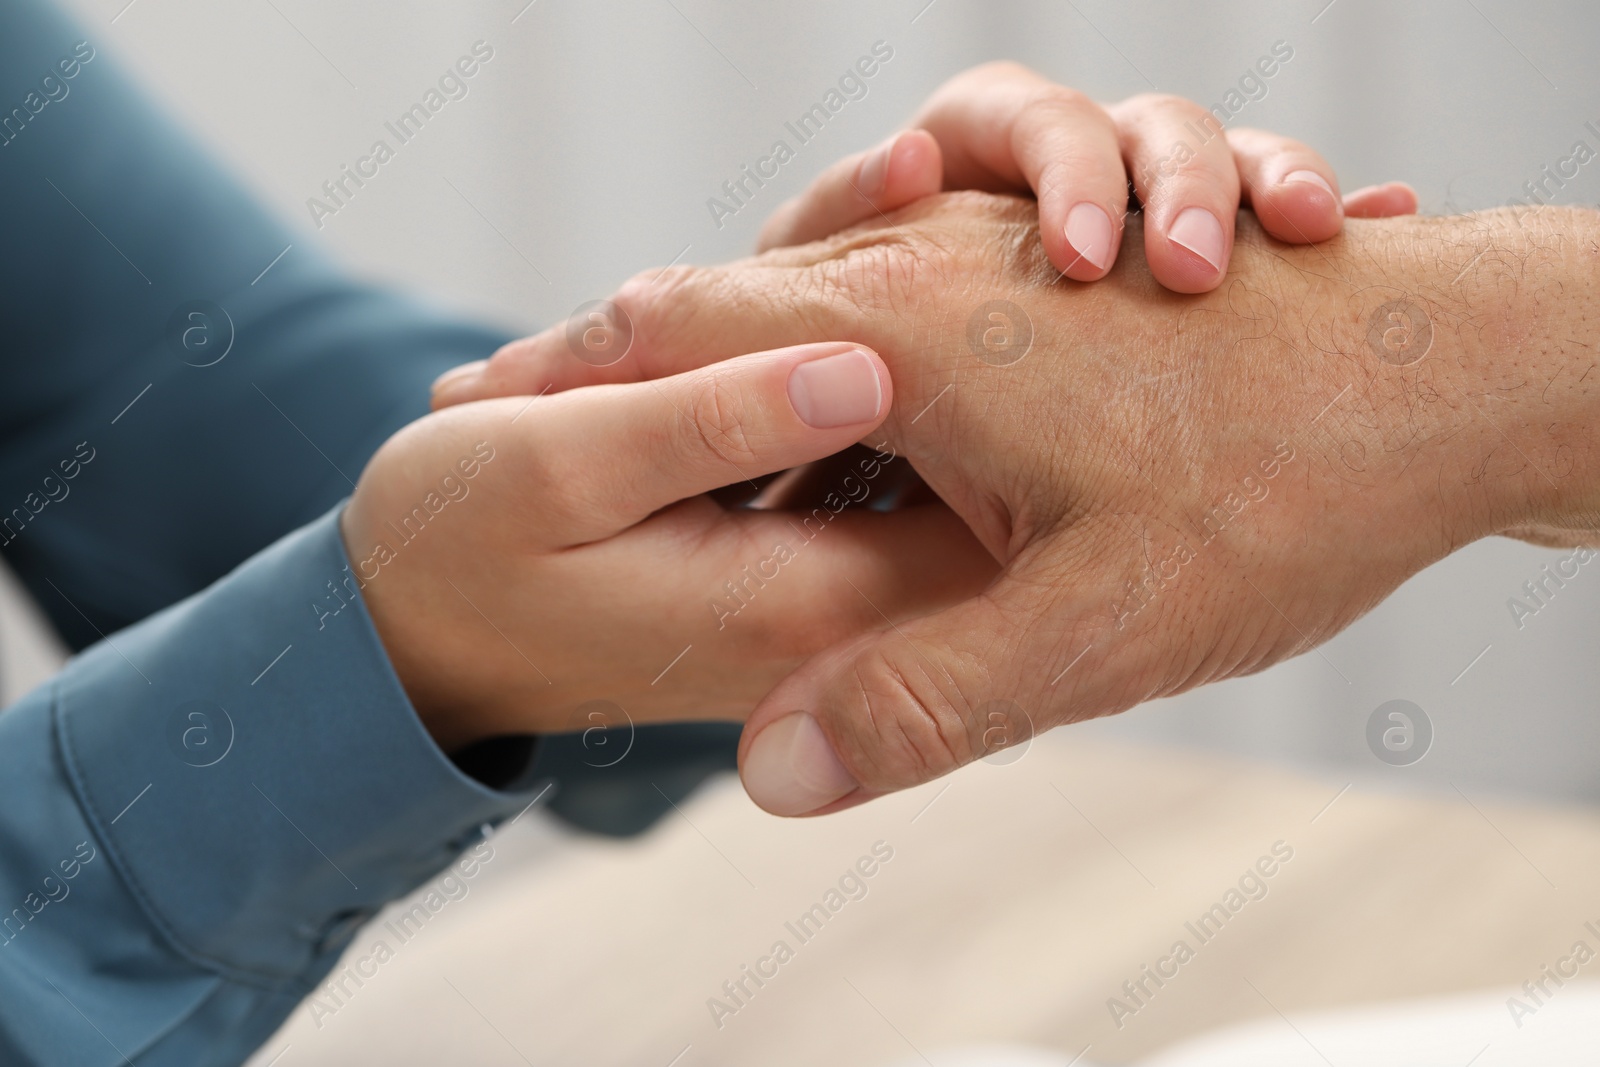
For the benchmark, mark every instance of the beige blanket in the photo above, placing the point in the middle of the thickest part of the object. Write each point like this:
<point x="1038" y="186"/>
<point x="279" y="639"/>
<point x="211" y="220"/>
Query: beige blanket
<point x="1042" y="902"/>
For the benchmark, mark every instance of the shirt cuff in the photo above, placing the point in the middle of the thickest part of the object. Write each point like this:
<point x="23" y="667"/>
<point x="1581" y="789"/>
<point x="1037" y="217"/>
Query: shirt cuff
<point x="255" y="770"/>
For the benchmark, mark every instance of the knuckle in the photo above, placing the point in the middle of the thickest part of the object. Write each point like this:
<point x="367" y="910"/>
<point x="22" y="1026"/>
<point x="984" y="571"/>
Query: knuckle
<point x="781" y="226"/>
<point x="522" y="352"/>
<point x="960" y="87"/>
<point x="1180" y="164"/>
<point x="877" y="274"/>
<point x="1145" y="105"/>
<point x="913" y="732"/>
<point x="888" y="270"/>
<point x="1198" y="167"/>
<point x="1264" y="144"/>
<point x="649" y="287"/>
<point x="553" y="481"/>
<point x="1297" y="151"/>
<point x="525" y="365"/>
<point x="869" y="281"/>
<point x="660" y="301"/>
<point x="717" y="424"/>
<point x="1052" y="102"/>
<point x="1251" y="137"/>
<point x="1070" y="139"/>
<point x="1173" y="102"/>
<point x="999" y="70"/>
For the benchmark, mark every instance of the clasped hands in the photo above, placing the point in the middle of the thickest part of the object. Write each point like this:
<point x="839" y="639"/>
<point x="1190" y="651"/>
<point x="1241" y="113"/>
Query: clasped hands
<point x="1227" y="436"/>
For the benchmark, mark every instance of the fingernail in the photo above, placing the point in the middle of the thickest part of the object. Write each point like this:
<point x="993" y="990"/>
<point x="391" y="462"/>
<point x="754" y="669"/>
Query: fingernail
<point x="1309" y="177"/>
<point x="1199" y="231"/>
<point x="839" y="390"/>
<point x="1090" y="234"/>
<point x="456" y="377"/>
<point x="873" y="177"/>
<point x="791" y="768"/>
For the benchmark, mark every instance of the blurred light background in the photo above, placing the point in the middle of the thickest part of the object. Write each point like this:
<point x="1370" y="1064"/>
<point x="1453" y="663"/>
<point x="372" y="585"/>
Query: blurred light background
<point x="586" y="150"/>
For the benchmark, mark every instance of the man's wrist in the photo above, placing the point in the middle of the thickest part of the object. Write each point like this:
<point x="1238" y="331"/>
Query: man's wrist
<point x="1463" y="341"/>
<point x="1517" y="320"/>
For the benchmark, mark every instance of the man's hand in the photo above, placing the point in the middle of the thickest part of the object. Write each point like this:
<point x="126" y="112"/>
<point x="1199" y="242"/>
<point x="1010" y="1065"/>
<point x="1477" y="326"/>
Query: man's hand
<point x="1180" y="489"/>
<point x="522" y="558"/>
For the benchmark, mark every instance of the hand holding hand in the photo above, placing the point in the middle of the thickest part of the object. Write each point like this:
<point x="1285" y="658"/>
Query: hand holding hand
<point x="1180" y="489"/>
<point x="522" y="557"/>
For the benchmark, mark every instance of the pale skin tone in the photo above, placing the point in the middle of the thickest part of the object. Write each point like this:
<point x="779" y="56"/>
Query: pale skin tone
<point x="1086" y="467"/>
<point x="593" y="504"/>
<point x="583" y="559"/>
<point x="1003" y="128"/>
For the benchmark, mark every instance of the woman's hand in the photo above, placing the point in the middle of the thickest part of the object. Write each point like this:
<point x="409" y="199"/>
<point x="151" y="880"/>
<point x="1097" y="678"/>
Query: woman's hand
<point x="1002" y="128"/>
<point x="522" y="557"/>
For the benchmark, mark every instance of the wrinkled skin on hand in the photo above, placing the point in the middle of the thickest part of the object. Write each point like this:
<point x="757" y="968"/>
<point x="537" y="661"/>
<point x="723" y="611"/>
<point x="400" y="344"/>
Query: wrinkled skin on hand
<point x="1180" y="488"/>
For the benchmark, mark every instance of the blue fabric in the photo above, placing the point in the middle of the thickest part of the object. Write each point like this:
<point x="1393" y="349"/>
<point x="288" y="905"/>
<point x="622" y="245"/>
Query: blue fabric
<point x="201" y="809"/>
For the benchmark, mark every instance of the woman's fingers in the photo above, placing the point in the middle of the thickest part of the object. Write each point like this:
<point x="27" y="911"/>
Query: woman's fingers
<point x="1067" y="148"/>
<point x="859" y="188"/>
<point x="1381" y="201"/>
<point x="827" y="573"/>
<point x="1292" y="189"/>
<point x="1002" y="128"/>
<point x="615" y="454"/>
<point x="658" y="312"/>
<point x="601" y="343"/>
<point x="1184" y="173"/>
<point x="549" y="361"/>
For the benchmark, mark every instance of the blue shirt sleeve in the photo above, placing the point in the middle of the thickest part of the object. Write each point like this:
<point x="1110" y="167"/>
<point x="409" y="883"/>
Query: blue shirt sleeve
<point x="202" y="808"/>
<point x="201" y="811"/>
